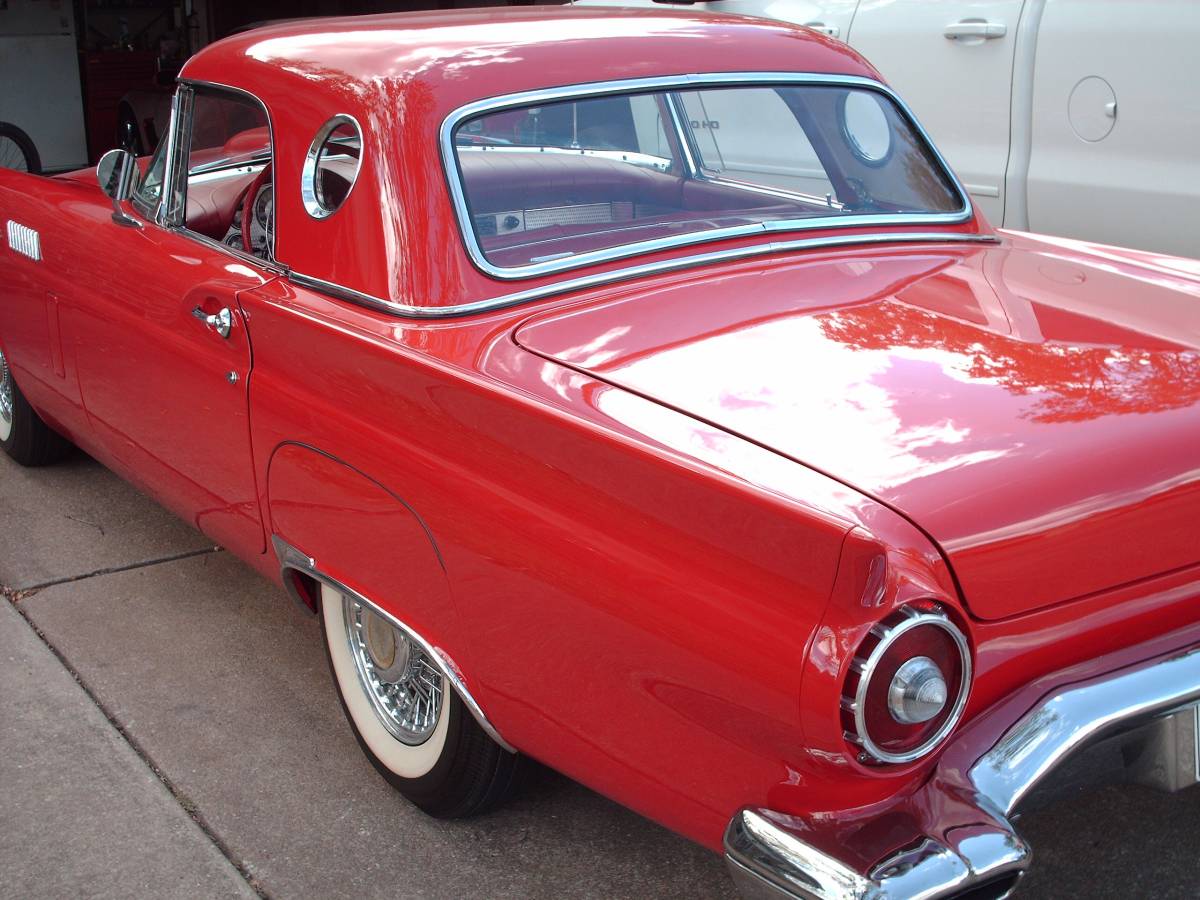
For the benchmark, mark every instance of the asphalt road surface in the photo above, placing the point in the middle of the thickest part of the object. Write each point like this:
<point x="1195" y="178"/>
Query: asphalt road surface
<point x="168" y="729"/>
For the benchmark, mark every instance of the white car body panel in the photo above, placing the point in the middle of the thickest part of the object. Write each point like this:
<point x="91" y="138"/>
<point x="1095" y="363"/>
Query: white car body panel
<point x="962" y="89"/>
<point x="1138" y="185"/>
<point x="1080" y="119"/>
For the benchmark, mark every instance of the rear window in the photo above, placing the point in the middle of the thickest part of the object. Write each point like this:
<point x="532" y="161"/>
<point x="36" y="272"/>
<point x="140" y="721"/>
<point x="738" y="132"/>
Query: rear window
<point x="571" y="182"/>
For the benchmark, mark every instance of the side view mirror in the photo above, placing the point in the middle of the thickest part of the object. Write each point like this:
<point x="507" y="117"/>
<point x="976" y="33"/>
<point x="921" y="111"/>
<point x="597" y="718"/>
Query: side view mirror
<point x="117" y="173"/>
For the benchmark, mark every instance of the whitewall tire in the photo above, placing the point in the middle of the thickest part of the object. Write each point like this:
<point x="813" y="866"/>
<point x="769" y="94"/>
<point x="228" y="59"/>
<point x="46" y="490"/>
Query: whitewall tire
<point x="408" y="719"/>
<point x="405" y="760"/>
<point x="23" y="434"/>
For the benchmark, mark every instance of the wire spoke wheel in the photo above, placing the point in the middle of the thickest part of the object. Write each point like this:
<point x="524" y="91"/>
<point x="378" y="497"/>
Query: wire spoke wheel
<point x="407" y="714"/>
<point x="6" y="398"/>
<point x="12" y="155"/>
<point x="404" y="686"/>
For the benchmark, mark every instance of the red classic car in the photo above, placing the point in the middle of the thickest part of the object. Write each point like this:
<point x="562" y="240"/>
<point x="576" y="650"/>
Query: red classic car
<point x="640" y="392"/>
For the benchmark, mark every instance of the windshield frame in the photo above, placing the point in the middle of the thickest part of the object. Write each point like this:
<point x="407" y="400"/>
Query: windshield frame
<point x="476" y="253"/>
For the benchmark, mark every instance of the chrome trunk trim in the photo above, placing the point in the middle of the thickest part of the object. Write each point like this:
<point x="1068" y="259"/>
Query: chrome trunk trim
<point x="615" y="276"/>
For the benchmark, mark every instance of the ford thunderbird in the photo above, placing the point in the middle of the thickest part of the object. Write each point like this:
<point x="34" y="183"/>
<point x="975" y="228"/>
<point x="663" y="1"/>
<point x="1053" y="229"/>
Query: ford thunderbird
<point x="640" y="392"/>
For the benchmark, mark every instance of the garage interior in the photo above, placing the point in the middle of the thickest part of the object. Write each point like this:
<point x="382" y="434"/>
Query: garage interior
<point x="79" y="77"/>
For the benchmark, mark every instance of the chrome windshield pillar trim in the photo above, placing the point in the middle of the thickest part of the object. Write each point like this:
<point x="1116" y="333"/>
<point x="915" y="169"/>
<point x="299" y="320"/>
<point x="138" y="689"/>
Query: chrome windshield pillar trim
<point x="615" y="276"/>
<point x="156" y="211"/>
<point x="293" y="559"/>
<point x="772" y="855"/>
<point x="462" y="211"/>
<point x="674" y="107"/>
<point x="172" y="204"/>
<point x="1078" y="716"/>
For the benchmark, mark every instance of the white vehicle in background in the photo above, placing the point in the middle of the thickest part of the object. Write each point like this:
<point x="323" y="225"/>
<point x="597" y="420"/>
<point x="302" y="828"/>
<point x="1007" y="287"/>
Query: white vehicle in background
<point x="41" y="110"/>
<point x="1078" y="118"/>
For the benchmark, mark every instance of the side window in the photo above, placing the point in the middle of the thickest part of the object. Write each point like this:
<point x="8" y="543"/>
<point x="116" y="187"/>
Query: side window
<point x="230" y="192"/>
<point x="648" y="123"/>
<point x="149" y="192"/>
<point x="603" y="125"/>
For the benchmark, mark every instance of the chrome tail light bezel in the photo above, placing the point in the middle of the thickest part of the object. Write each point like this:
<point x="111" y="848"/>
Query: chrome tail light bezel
<point x="865" y="665"/>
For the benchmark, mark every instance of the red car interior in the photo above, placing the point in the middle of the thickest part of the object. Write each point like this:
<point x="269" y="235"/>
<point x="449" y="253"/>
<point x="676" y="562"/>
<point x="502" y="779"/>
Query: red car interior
<point x="661" y="202"/>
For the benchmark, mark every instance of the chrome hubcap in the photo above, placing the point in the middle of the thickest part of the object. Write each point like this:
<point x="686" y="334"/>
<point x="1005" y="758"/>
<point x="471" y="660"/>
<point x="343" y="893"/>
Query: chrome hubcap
<point x="402" y="683"/>
<point x="6" y="392"/>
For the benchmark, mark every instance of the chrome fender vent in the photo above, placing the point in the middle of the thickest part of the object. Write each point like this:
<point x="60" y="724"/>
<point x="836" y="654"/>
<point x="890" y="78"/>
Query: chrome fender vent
<point x="24" y="240"/>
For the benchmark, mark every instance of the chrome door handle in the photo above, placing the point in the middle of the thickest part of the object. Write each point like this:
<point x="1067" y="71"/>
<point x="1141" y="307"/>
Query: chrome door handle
<point x="831" y="30"/>
<point x="221" y="323"/>
<point x="975" y="28"/>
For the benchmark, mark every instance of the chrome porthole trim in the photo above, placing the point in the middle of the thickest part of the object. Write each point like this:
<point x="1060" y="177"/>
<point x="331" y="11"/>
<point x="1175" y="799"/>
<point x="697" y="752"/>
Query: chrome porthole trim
<point x="6" y="396"/>
<point x="308" y="172"/>
<point x="402" y="682"/>
<point x="890" y="634"/>
<point x="292" y="559"/>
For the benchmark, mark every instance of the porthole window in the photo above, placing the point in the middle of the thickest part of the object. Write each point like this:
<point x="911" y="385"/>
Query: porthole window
<point x="331" y="166"/>
<point x="865" y="124"/>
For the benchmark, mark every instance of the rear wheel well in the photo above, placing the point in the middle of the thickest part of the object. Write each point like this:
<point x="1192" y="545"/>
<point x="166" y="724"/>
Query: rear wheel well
<point x="303" y="588"/>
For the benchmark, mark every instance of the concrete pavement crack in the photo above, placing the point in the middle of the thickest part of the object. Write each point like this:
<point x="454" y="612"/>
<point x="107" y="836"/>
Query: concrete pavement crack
<point x="95" y="525"/>
<point x="185" y="803"/>
<point x="111" y="570"/>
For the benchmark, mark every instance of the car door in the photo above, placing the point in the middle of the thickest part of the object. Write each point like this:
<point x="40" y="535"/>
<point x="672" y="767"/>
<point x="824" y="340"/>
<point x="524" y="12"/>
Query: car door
<point x="952" y="61"/>
<point x="165" y="385"/>
<point x="831" y="17"/>
<point x="1116" y="124"/>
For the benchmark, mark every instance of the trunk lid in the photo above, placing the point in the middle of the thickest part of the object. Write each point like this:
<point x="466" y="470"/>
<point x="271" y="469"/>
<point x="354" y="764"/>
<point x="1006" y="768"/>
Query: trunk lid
<point x="1033" y="407"/>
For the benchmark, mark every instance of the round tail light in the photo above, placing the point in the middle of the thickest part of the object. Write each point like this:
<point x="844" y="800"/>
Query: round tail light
<point x="908" y="686"/>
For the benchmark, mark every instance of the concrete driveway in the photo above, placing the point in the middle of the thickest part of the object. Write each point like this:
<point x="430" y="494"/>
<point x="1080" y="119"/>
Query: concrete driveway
<point x="168" y="729"/>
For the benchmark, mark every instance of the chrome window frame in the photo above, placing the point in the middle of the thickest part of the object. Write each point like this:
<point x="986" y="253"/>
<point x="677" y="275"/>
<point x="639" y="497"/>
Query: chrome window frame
<point x="172" y="205"/>
<point x="454" y="178"/>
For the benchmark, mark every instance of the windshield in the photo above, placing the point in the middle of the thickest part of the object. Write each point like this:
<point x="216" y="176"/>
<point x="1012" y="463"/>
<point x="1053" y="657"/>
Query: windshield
<point x="575" y="181"/>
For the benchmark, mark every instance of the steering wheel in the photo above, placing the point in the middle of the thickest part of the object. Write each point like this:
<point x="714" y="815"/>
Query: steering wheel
<point x="261" y="179"/>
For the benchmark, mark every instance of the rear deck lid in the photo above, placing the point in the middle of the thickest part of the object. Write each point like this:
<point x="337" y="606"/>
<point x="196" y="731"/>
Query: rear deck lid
<point x="1037" y="413"/>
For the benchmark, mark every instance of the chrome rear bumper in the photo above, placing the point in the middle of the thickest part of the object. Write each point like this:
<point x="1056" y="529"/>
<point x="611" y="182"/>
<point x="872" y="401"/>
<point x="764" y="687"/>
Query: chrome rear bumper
<point x="972" y="846"/>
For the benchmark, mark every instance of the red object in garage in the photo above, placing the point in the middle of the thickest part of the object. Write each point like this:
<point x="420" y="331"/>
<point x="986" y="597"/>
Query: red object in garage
<point x="107" y="76"/>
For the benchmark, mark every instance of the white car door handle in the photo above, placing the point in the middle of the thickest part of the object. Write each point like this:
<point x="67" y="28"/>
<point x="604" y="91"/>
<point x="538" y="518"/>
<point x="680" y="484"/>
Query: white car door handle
<point x="831" y="30"/>
<point x="975" y="28"/>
